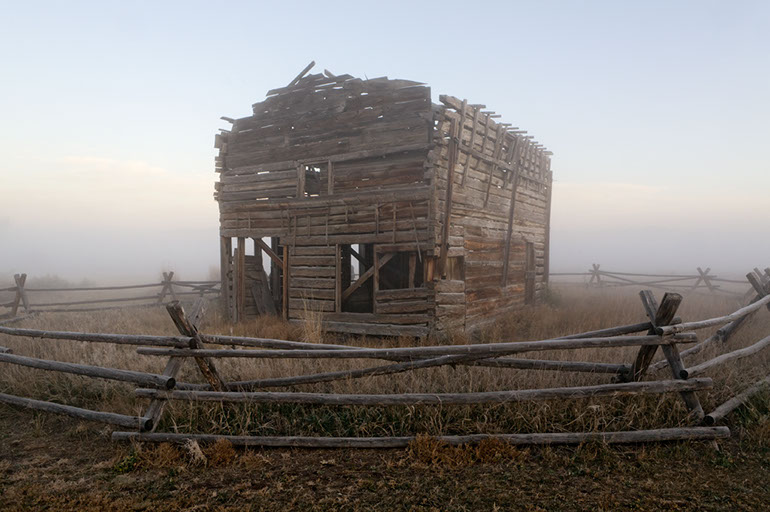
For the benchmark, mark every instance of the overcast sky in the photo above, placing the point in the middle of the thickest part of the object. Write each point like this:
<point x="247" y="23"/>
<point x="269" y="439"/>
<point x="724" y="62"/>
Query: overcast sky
<point x="657" y="114"/>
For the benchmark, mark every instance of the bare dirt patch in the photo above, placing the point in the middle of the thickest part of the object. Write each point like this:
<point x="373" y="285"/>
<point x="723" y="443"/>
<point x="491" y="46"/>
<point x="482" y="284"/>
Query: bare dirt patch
<point x="52" y="463"/>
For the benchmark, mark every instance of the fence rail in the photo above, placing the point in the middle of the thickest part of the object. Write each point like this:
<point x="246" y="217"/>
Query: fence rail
<point x="663" y="330"/>
<point x="168" y="288"/>
<point x="701" y="280"/>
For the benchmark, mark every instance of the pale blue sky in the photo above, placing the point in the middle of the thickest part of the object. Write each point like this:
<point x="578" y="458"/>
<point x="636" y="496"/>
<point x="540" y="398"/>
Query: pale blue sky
<point x="654" y="110"/>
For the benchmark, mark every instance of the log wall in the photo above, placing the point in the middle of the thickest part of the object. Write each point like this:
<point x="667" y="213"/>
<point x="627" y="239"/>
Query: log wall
<point x="488" y="161"/>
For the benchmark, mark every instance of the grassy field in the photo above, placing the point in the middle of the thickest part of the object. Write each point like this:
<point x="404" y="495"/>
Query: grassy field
<point x="428" y="476"/>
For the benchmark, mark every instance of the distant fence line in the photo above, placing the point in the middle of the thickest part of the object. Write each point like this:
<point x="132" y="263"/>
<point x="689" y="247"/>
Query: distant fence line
<point x="700" y="280"/>
<point x="663" y="329"/>
<point x="168" y="288"/>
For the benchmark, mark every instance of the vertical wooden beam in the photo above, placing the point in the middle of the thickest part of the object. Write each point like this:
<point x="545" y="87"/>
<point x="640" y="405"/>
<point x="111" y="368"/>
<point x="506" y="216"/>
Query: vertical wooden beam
<point x="412" y="268"/>
<point x="496" y="156"/>
<point x="430" y="266"/>
<point x="452" y="160"/>
<point x="511" y="212"/>
<point x="394" y="222"/>
<point x="337" y="278"/>
<point x="275" y="272"/>
<point x="285" y="284"/>
<point x="300" y="180"/>
<point x="239" y="286"/>
<point x="529" y="274"/>
<point x="330" y="177"/>
<point x="375" y="278"/>
<point x="476" y="113"/>
<point x="225" y="260"/>
<point x="547" y="241"/>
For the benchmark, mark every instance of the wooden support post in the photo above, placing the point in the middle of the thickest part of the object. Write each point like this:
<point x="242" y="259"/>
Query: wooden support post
<point x="412" y="268"/>
<point x="285" y="285"/>
<point x="511" y="213"/>
<point x="337" y="278"/>
<point x="239" y="286"/>
<point x="330" y="177"/>
<point x="21" y="294"/>
<point x="226" y="273"/>
<point x="547" y="242"/>
<point x="496" y="156"/>
<point x="659" y="316"/>
<point x="300" y="180"/>
<point x="476" y="113"/>
<point x="452" y="158"/>
<point x="530" y="274"/>
<point x="375" y="279"/>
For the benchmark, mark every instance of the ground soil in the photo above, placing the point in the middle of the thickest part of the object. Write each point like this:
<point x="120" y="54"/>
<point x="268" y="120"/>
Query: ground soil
<point x="56" y="463"/>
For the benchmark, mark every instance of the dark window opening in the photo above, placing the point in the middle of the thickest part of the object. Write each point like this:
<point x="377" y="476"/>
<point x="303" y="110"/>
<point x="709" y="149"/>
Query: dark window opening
<point x="404" y="270"/>
<point x="316" y="176"/>
<point x="356" y="272"/>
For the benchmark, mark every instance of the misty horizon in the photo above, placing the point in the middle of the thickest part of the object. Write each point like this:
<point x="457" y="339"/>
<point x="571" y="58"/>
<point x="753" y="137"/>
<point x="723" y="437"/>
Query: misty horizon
<point x="656" y="115"/>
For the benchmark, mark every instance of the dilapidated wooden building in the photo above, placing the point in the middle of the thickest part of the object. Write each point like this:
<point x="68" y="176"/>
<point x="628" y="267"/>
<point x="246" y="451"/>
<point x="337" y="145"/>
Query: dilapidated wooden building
<point x="343" y="184"/>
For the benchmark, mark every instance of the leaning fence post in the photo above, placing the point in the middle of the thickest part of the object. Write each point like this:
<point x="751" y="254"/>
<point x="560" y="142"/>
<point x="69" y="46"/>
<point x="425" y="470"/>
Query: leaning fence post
<point x="168" y="287"/>
<point x="705" y="277"/>
<point x="21" y="294"/>
<point x="188" y="326"/>
<point x="595" y="274"/>
<point x="660" y="315"/>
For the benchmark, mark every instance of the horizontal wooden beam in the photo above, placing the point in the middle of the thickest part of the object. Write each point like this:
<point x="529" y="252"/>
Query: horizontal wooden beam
<point x="76" y="412"/>
<point x="555" y="438"/>
<point x="489" y="349"/>
<point x="484" y="397"/>
<point x="118" y="339"/>
<point x="142" y="378"/>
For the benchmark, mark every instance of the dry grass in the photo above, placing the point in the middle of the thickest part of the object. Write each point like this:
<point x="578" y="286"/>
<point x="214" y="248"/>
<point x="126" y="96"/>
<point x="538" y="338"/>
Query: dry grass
<point x="569" y="310"/>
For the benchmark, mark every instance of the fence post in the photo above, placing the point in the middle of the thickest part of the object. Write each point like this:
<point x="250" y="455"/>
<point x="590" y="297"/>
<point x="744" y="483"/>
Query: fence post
<point x="761" y="287"/>
<point x="660" y="315"/>
<point x="595" y="274"/>
<point x="188" y="326"/>
<point x="21" y="294"/>
<point x="703" y="276"/>
<point x="168" y="287"/>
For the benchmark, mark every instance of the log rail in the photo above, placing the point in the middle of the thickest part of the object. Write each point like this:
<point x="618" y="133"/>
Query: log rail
<point x="136" y="296"/>
<point x="662" y="329"/>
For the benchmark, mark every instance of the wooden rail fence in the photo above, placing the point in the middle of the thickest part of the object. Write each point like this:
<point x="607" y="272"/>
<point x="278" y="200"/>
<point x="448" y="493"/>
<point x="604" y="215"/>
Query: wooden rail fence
<point x="168" y="289"/>
<point x="701" y="280"/>
<point x="663" y="329"/>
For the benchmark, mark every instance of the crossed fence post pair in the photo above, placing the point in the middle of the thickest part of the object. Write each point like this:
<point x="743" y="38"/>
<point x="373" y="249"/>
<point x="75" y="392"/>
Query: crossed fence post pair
<point x="187" y="326"/>
<point x="20" y="299"/>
